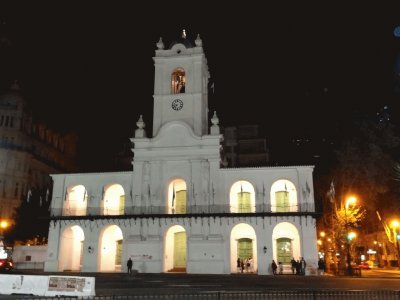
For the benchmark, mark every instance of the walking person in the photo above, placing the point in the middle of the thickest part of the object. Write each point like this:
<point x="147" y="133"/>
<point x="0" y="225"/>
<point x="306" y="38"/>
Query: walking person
<point x="129" y="264"/>
<point x="280" y="266"/>
<point x="238" y="265"/>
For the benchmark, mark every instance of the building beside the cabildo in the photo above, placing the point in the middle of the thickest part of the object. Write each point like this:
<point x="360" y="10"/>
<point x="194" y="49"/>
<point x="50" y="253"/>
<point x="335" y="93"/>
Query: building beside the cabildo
<point x="180" y="209"/>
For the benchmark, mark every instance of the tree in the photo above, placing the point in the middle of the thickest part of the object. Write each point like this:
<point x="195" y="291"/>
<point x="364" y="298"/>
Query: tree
<point x="32" y="217"/>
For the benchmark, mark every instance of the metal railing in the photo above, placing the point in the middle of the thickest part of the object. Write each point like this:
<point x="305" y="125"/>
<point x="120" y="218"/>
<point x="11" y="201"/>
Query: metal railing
<point x="190" y="209"/>
<point x="218" y="295"/>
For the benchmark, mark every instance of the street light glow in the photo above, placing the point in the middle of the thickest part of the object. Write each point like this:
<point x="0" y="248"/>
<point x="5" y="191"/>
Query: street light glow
<point x="3" y="224"/>
<point x="351" y="235"/>
<point x="351" y="200"/>
<point x="395" y="224"/>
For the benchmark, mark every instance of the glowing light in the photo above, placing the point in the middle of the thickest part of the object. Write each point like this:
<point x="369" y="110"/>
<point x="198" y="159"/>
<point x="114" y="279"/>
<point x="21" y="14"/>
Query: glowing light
<point x="351" y="235"/>
<point x="350" y="201"/>
<point x="322" y="233"/>
<point x="3" y="224"/>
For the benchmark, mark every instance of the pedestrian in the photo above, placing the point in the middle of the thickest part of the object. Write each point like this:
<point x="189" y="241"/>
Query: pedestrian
<point x="129" y="265"/>
<point x="303" y="265"/>
<point x="321" y="266"/>
<point x="274" y="267"/>
<point x="293" y="263"/>
<point x="247" y="263"/>
<point x="238" y="265"/>
<point x="251" y="264"/>
<point x="280" y="266"/>
<point x="298" y="269"/>
<point x="241" y="265"/>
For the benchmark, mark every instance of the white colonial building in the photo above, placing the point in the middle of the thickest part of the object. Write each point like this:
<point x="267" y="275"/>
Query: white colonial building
<point x="180" y="210"/>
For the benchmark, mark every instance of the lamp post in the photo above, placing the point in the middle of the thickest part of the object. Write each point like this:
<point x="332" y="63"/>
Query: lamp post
<point x="394" y="225"/>
<point x="349" y="201"/>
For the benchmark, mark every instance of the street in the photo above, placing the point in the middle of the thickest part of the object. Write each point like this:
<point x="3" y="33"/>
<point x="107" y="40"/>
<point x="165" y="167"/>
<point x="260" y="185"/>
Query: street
<point x="107" y="284"/>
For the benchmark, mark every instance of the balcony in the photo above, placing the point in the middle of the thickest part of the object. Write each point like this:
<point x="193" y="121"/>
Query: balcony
<point x="191" y="210"/>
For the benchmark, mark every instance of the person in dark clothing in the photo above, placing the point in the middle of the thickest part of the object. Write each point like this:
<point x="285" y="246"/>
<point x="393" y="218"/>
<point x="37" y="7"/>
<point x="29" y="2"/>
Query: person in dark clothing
<point x="274" y="267"/>
<point x="293" y="263"/>
<point x="238" y="264"/>
<point x="129" y="265"/>
<point x="321" y="266"/>
<point x="298" y="272"/>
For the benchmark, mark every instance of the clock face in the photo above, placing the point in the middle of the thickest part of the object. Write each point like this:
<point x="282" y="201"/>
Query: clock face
<point x="177" y="104"/>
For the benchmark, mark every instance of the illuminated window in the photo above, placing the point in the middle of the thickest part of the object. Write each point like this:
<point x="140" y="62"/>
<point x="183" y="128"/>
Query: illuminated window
<point x="282" y="201"/>
<point x="244" y="202"/>
<point x="178" y="81"/>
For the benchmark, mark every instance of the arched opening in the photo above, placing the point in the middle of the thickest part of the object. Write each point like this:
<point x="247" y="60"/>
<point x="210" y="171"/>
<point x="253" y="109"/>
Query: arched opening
<point x="286" y="244"/>
<point x="113" y="200"/>
<point x="71" y="249"/>
<point x="177" y="197"/>
<point x="243" y="245"/>
<point x="75" y="203"/>
<point x="110" y="247"/>
<point x="242" y="197"/>
<point x="175" y="249"/>
<point x="283" y="196"/>
<point x="178" y="81"/>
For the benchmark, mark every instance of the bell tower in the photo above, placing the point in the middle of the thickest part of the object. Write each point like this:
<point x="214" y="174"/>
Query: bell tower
<point x="180" y="85"/>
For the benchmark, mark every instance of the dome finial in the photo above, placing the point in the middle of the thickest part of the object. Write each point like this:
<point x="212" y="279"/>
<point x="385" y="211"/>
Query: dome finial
<point x="198" y="41"/>
<point x="160" y="44"/>
<point x="214" y="130"/>
<point x="139" y="132"/>
<point x="184" y="34"/>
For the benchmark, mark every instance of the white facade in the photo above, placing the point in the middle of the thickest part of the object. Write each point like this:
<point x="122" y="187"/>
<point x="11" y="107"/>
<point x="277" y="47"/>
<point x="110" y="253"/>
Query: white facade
<point x="179" y="210"/>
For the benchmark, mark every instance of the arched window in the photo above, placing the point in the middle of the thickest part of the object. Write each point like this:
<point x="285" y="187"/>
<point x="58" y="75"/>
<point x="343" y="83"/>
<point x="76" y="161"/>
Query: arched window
<point x="283" y="196"/>
<point x="242" y="197"/>
<point x="113" y="200"/>
<point x="178" y="81"/>
<point x="75" y="203"/>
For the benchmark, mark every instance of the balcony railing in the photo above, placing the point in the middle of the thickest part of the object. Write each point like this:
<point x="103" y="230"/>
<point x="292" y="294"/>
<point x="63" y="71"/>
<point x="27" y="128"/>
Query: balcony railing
<point x="190" y="210"/>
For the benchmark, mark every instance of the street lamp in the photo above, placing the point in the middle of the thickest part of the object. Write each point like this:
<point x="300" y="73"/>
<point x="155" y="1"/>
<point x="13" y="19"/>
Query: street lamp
<point x="396" y="237"/>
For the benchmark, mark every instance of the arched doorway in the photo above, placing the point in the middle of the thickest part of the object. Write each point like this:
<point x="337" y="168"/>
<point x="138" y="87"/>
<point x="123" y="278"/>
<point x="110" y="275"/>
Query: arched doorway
<point x="110" y="245"/>
<point x="244" y="247"/>
<point x="71" y="249"/>
<point x="175" y="249"/>
<point x="286" y="243"/>
<point x="177" y="197"/>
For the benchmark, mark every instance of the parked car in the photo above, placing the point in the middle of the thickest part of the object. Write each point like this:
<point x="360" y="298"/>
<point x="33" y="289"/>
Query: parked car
<point x="364" y="266"/>
<point x="6" y="264"/>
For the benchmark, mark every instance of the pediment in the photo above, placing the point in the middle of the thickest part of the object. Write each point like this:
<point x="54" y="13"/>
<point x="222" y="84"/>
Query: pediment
<point x="176" y="134"/>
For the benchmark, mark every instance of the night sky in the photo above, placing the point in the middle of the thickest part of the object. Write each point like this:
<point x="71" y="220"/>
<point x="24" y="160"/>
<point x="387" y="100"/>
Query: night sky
<point x="295" y="70"/>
